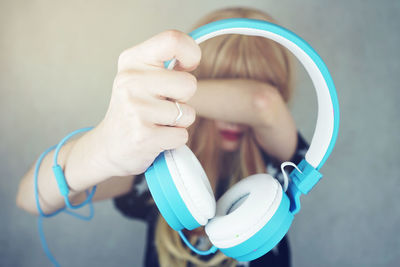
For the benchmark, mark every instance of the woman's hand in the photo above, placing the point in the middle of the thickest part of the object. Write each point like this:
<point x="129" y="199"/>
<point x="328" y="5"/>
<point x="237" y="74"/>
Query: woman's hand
<point x="134" y="130"/>
<point x="137" y="125"/>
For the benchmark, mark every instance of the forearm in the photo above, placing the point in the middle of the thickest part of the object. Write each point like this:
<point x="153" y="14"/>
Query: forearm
<point x="277" y="135"/>
<point x="228" y="100"/>
<point x="279" y="140"/>
<point x="253" y="103"/>
<point x="79" y="169"/>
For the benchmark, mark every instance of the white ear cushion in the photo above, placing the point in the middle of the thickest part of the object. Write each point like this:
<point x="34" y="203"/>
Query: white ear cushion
<point x="192" y="183"/>
<point x="243" y="210"/>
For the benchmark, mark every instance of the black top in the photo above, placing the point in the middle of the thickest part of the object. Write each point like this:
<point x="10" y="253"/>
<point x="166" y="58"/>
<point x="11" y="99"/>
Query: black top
<point x="135" y="205"/>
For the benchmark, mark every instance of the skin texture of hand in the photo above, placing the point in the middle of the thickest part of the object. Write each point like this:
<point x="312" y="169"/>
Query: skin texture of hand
<point x="136" y="127"/>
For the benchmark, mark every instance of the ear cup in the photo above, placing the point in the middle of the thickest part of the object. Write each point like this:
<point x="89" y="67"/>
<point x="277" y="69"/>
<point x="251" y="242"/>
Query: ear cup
<point x="257" y="212"/>
<point x="160" y="198"/>
<point x="244" y="207"/>
<point x="192" y="183"/>
<point x="167" y="197"/>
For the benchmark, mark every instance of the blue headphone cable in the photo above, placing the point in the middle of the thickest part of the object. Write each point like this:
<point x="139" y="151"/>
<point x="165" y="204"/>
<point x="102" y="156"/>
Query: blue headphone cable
<point x="42" y="215"/>
<point x="211" y="250"/>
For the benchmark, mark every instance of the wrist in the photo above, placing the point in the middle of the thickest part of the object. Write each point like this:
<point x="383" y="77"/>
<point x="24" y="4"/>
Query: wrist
<point x="83" y="166"/>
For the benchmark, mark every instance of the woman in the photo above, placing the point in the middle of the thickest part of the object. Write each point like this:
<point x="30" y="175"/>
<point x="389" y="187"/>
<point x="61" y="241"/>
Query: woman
<point x="243" y="127"/>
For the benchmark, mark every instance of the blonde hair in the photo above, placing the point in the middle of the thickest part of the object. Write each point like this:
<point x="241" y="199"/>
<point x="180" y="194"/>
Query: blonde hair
<point x="227" y="56"/>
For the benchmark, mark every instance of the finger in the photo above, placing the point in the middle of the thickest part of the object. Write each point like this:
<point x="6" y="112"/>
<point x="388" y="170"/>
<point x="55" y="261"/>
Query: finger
<point x="165" y="112"/>
<point x="160" y="48"/>
<point x="171" y="137"/>
<point x="176" y="85"/>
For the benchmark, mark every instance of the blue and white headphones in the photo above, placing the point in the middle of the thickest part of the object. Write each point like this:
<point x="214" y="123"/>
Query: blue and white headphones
<point x="256" y="213"/>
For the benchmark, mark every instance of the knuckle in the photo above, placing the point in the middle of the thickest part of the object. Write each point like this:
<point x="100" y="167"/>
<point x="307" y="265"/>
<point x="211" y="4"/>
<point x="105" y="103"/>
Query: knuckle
<point x="120" y="79"/>
<point x="138" y="108"/>
<point x="192" y="83"/>
<point x="122" y="58"/>
<point x="126" y="80"/>
<point x="142" y="135"/>
<point x="198" y="54"/>
<point x="173" y="36"/>
<point x="128" y="57"/>
<point x="172" y="115"/>
<point x="191" y="115"/>
<point x="188" y="84"/>
<point x="184" y="136"/>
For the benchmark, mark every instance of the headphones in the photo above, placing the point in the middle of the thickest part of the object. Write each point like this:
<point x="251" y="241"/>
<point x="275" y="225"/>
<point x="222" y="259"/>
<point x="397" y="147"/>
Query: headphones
<point x="256" y="213"/>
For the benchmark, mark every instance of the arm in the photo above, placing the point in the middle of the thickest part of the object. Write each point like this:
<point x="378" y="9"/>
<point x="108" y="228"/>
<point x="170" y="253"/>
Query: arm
<point x="76" y="167"/>
<point x="250" y="102"/>
<point x="135" y="129"/>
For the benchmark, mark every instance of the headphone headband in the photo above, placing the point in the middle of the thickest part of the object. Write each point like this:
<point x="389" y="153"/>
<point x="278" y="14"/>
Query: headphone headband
<point x="253" y="234"/>
<point x="327" y="126"/>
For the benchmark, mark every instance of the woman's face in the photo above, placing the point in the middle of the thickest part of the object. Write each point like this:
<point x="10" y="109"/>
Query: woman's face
<point x="231" y="135"/>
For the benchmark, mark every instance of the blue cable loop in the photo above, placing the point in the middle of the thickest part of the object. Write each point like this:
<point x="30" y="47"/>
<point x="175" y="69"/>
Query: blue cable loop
<point x="212" y="250"/>
<point x="67" y="202"/>
<point x="59" y="174"/>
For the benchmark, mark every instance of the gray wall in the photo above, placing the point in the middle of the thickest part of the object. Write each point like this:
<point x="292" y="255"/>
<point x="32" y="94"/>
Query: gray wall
<point x="57" y="63"/>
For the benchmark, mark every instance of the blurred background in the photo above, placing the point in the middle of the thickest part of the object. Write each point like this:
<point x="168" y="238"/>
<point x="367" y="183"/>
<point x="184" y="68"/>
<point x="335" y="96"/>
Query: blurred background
<point x="57" y="63"/>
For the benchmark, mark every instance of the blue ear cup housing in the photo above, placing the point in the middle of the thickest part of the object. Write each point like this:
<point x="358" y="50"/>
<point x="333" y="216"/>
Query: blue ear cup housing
<point x="181" y="189"/>
<point x="178" y="216"/>
<point x="167" y="197"/>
